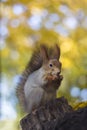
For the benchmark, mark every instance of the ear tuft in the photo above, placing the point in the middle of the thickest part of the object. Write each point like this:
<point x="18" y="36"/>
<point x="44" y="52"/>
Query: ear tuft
<point x="44" y="53"/>
<point x="55" y="52"/>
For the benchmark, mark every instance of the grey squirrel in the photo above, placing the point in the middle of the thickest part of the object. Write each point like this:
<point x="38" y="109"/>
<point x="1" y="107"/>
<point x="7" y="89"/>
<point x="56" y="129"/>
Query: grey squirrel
<point x="40" y="79"/>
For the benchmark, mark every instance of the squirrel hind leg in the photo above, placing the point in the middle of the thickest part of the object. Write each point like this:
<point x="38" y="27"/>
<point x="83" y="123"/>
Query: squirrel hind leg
<point x="28" y="108"/>
<point x="34" y="99"/>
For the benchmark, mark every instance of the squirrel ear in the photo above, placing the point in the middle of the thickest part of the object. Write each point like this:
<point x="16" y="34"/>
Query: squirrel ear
<point x="56" y="52"/>
<point x="44" y="54"/>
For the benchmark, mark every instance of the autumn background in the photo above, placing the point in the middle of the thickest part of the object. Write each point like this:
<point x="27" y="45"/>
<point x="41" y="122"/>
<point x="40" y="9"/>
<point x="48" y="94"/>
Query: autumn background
<point x="24" y="23"/>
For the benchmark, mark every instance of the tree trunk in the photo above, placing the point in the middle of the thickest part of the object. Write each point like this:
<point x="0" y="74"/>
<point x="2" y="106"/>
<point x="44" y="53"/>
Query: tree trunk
<point x="56" y="115"/>
<point x="46" y="117"/>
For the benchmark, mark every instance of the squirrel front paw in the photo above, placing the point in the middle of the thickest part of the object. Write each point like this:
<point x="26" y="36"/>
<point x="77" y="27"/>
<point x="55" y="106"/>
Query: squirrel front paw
<point x="60" y="77"/>
<point x="52" y="78"/>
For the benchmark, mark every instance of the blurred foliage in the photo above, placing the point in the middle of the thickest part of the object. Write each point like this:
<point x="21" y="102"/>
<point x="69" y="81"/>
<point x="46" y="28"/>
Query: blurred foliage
<point x="25" y="23"/>
<point x="9" y="125"/>
<point x="80" y="105"/>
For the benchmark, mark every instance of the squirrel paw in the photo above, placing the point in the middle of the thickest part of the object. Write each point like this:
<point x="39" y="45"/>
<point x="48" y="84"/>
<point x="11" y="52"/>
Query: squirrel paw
<point x="51" y="78"/>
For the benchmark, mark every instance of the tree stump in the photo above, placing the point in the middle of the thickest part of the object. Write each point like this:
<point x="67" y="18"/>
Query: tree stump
<point x="46" y="116"/>
<point x="56" y="115"/>
<point x="76" y="120"/>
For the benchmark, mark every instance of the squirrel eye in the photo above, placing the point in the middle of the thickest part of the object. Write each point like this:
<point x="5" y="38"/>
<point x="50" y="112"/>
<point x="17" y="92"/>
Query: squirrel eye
<point x="51" y="65"/>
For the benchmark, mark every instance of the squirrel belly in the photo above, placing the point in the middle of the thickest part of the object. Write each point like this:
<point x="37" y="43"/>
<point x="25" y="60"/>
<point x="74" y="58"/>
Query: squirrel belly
<point x="33" y="89"/>
<point x="35" y="79"/>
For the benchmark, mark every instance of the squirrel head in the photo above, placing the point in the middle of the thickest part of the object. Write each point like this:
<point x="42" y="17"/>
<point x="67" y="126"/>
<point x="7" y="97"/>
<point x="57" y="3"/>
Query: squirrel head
<point x="51" y="63"/>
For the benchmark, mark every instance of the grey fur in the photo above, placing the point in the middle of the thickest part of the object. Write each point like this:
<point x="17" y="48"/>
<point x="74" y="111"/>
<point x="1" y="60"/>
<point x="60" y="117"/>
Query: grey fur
<point x="33" y="89"/>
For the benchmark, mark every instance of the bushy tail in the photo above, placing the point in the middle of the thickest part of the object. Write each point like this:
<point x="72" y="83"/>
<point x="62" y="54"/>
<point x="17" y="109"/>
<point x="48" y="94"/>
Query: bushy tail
<point x="34" y="64"/>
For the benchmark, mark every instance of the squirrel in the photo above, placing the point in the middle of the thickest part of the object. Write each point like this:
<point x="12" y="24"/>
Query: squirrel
<point x="40" y="79"/>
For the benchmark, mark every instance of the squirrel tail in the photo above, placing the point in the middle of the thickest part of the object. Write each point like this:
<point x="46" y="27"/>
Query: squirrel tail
<point x="34" y="64"/>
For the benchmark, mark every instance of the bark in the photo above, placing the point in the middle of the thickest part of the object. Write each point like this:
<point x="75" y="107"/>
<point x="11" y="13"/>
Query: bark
<point x="76" y="120"/>
<point x="46" y="116"/>
<point x="56" y="115"/>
